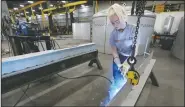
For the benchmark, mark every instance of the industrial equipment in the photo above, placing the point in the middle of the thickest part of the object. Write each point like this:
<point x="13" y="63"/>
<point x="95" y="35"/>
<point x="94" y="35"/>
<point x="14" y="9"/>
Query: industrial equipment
<point x="68" y="27"/>
<point x="166" y="37"/>
<point x="178" y="45"/>
<point x="168" y="24"/>
<point x="81" y="31"/>
<point x="27" y="44"/>
<point x="102" y="28"/>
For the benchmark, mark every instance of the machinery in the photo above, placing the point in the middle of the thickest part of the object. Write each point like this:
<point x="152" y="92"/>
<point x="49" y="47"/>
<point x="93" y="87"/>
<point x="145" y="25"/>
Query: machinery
<point x="168" y="24"/>
<point x="178" y="45"/>
<point x="26" y="38"/>
<point x="167" y="38"/>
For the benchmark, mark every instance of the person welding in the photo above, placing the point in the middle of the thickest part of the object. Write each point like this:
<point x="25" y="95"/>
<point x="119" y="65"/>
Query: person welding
<point x="121" y="38"/>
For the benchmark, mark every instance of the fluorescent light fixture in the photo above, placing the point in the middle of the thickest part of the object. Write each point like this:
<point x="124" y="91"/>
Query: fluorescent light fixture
<point x="51" y="5"/>
<point x="22" y="13"/>
<point x="30" y="1"/>
<point x="27" y="12"/>
<point x="63" y="1"/>
<point x="21" y="5"/>
<point x="15" y="8"/>
<point x="33" y="10"/>
<point x="82" y="5"/>
<point x="40" y="8"/>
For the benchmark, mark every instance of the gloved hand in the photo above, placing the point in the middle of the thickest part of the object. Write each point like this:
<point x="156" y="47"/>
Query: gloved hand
<point x="120" y="67"/>
<point x="118" y="63"/>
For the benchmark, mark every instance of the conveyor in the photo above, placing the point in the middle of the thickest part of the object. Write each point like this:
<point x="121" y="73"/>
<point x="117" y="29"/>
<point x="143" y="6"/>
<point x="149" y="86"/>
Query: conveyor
<point x="39" y="65"/>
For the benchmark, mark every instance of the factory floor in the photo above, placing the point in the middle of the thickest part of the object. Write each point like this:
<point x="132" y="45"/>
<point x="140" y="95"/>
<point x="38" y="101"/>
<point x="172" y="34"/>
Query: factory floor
<point x="169" y="72"/>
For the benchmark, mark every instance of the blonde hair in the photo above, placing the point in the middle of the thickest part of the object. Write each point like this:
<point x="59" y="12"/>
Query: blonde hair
<point x="118" y="10"/>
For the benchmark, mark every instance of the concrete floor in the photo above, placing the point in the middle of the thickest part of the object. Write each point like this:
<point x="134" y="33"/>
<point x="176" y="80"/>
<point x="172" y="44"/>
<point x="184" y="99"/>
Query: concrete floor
<point x="90" y="91"/>
<point x="170" y="74"/>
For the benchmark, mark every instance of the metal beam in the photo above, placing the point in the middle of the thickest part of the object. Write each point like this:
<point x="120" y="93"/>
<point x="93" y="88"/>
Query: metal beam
<point x="62" y="59"/>
<point x="74" y="3"/>
<point x="65" y="5"/>
<point x="49" y="9"/>
<point x="41" y="58"/>
<point x="31" y="5"/>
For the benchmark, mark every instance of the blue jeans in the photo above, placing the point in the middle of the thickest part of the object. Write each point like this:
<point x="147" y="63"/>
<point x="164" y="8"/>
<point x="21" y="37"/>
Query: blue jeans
<point x="116" y="73"/>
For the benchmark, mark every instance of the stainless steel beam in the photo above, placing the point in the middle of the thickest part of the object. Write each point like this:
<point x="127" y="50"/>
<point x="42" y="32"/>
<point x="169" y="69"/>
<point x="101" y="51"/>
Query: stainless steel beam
<point x="18" y="64"/>
<point x="128" y="95"/>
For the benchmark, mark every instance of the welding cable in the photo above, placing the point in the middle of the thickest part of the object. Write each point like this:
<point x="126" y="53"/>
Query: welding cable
<point x="85" y="76"/>
<point x="24" y="92"/>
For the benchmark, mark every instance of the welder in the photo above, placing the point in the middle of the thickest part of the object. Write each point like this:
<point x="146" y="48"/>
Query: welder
<point x="121" y="38"/>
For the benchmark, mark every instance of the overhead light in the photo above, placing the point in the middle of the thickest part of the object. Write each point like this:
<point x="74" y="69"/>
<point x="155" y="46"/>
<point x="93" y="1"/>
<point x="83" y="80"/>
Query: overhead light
<point x="82" y="5"/>
<point x="22" y="13"/>
<point x="33" y="10"/>
<point x="51" y="5"/>
<point x="21" y="5"/>
<point x="63" y="1"/>
<point x="15" y="8"/>
<point x="40" y="8"/>
<point x="30" y="1"/>
<point x="27" y="12"/>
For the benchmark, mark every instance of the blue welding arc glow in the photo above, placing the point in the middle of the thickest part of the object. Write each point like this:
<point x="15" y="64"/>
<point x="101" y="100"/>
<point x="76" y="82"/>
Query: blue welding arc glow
<point x="114" y="89"/>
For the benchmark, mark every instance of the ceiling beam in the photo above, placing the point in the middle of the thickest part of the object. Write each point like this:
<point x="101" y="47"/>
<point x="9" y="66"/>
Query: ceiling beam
<point x="74" y="3"/>
<point x="66" y="5"/>
<point x="31" y="5"/>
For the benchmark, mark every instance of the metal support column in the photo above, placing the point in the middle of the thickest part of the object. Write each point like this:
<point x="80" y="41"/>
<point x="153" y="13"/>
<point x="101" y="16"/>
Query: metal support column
<point x="67" y="23"/>
<point x="94" y="5"/>
<point x="50" y="22"/>
<point x="72" y="21"/>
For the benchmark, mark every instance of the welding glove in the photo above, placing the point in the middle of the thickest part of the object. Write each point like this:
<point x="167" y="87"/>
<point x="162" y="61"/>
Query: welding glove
<point x="118" y="63"/>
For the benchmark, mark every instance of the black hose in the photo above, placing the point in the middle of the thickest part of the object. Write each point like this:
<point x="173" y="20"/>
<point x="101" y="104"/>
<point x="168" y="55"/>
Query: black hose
<point x="85" y="76"/>
<point x="22" y="95"/>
